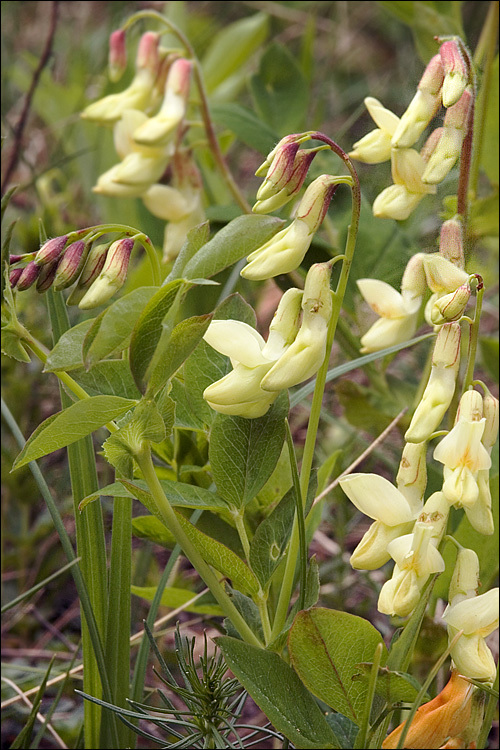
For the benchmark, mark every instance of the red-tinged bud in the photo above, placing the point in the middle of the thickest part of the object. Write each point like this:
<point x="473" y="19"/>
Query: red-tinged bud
<point x="50" y="250"/>
<point x="46" y="276"/>
<point x="316" y="200"/>
<point x="432" y="78"/>
<point x="14" y="276"/>
<point x="93" y="265"/>
<point x="451" y="241"/>
<point x="449" y="147"/>
<point x="430" y="145"/>
<point x="272" y="196"/>
<point x="456" y="72"/>
<point x="451" y="306"/>
<point x="15" y="259"/>
<point x="147" y="52"/>
<point x="112" y="276"/>
<point x="70" y="265"/>
<point x="28" y="276"/>
<point x="117" y="60"/>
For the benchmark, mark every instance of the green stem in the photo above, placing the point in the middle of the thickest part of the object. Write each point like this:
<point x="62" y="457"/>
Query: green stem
<point x="205" y="112"/>
<point x="206" y="573"/>
<point x="261" y="601"/>
<point x="242" y="532"/>
<point x="474" y="336"/>
<point x="360" y="741"/>
<point x="314" y="417"/>
<point x="299" y="516"/>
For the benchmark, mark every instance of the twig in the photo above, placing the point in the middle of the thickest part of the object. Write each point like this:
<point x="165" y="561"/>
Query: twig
<point x="39" y="716"/>
<point x="361" y="458"/>
<point x="19" y="129"/>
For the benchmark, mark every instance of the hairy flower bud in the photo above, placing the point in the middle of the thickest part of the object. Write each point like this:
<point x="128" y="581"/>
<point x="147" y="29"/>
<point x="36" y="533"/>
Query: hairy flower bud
<point x="112" y="276"/>
<point x="28" y="276"/>
<point x="275" y="191"/>
<point x="14" y="276"/>
<point x="70" y="265"/>
<point x="117" y="59"/>
<point x="456" y="72"/>
<point x="451" y="241"/>
<point x="414" y="280"/>
<point x="50" y="250"/>
<point x="46" y="276"/>
<point x="451" y="306"/>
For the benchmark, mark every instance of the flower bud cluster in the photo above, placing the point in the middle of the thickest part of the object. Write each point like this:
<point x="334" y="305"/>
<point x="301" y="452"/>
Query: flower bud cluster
<point x="445" y="81"/>
<point x="149" y="126"/>
<point x="98" y="270"/>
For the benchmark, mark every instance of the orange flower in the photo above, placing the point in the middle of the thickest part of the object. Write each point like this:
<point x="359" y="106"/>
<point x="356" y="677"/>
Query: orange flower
<point x="443" y="718"/>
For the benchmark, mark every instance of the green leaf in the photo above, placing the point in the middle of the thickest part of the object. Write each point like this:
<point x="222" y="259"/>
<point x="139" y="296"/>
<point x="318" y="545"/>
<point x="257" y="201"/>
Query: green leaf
<point x="243" y="452"/>
<point x="271" y="537"/>
<point x="67" y="354"/>
<point x="151" y="528"/>
<point x="173" y="350"/>
<point x="232" y="47"/>
<point x="111" y="329"/>
<point x="149" y="328"/>
<point x="196" y="238"/>
<point x="111" y="377"/>
<point x="179" y="494"/>
<point x="345" y="730"/>
<point x="279" y="693"/>
<point x="232" y="243"/>
<point x="71" y="424"/>
<point x="248" y="128"/>
<point x="145" y="423"/>
<point x="393" y="687"/>
<point x="280" y="91"/>
<point x="249" y="611"/>
<point x="12" y="347"/>
<point x="221" y="557"/>
<point x="175" y="598"/>
<point x="186" y="417"/>
<point x="325" y="647"/>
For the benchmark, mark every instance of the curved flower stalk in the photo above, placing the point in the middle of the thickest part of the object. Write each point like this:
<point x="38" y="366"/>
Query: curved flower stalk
<point x="393" y="514"/>
<point x="476" y="615"/>
<point x="293" y="352"/>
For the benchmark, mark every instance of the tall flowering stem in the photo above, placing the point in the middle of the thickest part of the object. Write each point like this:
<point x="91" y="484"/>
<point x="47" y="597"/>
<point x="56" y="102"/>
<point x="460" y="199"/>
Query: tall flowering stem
<point x="205" y="112"/>
<point x="474" y="334"/>
<point x="314" y="417"/>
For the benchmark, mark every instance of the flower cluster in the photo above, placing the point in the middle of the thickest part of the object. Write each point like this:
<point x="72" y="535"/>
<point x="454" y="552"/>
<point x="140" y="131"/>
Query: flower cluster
<point x="445" y="81"/>
<point x="149" y="127"/>
<point x="97" y="270"/>
<point x="441" y="273"/>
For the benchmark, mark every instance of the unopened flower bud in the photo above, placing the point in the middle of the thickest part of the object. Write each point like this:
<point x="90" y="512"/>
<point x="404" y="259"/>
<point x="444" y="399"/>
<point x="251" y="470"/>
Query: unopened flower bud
<point x="281" y="254"/>
<point x="272" y="196"/>
<point x="28" y="276"/>
<point x="314" y="204"/>
<point x="112" y="276"/>
<point x="294" y="138"/>
<point x="91" y="270"/>
<point x="451" y="241"/>
<point x="456" y="72"/>
<point x="279" y="171"/>
<point x="490" y="413"/>
<point x="117" y="59"/>
<point x="443" y="276"/>
<point x="147" y="52"/>
<point x="70" y="264"/>
<point x="449" y="147"/>
<point x="430" y="144"/>
<point x="451" y="306"/>
<point x="15" y="259"/>
<point x="465" y="578"/>
<point x="440" y="388"/>
<point x="306" y="354"/>
<point x="411" y="478"/>
<point x="423" y="106"/>
<point x="470" y="407"/>
<point x="14" y="276"/>
<point x="50" y="250"/>
<point x="46" y="276"/>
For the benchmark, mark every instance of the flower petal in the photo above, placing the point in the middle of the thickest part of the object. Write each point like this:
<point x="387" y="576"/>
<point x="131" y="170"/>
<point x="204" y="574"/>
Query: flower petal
<point x="377" y="498"/>
<point x="237" y="340"/>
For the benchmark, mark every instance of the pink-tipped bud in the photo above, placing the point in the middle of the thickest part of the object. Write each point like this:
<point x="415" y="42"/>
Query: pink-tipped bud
<point x="93" y="265"/>
<point x="70" y="265"/>
<point x="50" y="250"/>
<point x="15" y="259"/>
<point x="112" y="276"/>
<point x="147" y="52"/>
<point x="456" y="72"/>
<point x="28" y="276"/>
<point x="430" y="145"/>
<point x="422" y="107"/>
<point x="451" y="306"/>
<point x="314" y="204"/>
<point x="449" y="147"/>
<point x="117" y="60"/>
<point x="414" y="279"/>
<point x="458" y="115"/>
<point x="14" y="276"/>
<point x="433" y="76"/>
<point x="46" y="276"/>
<point x="272" y="195"/>
<point x="292" y="139"/>
<point x="451" y="241"/>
